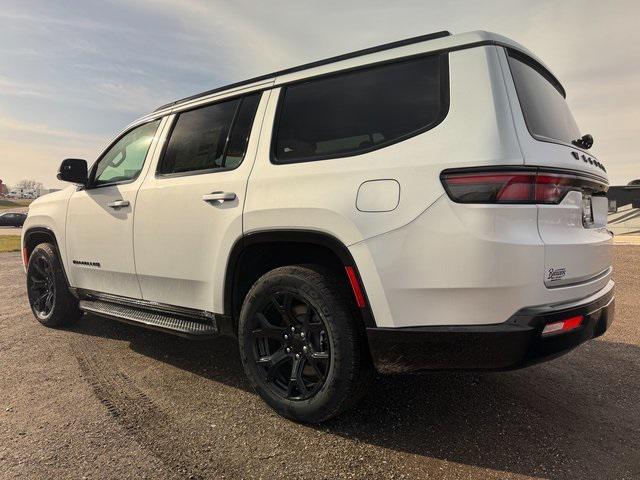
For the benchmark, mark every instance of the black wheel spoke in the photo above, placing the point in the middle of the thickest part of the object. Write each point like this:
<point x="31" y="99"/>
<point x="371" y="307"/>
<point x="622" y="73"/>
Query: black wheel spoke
<point x="41" y="286"/>
<point x="320" y="355"/>
<point x="48" y="303"/>
<point x="290" y="346"/>
<point x="284" y="309"/>
<point x="38" y="301"/>
<point x="38" y="268"/>
<point x="274" y="362"/>
<point x="314" y="364"/>
<point x="307" y="316"/>
<point x="295" y="379"/>
<point x="267" y="329"/>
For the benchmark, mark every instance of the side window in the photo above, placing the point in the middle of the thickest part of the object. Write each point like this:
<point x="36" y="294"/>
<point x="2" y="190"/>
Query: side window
<point x="210" y="138"/>
<point x="354" y="112"/>
<point x="239" y="137"/>
<point x="124" y="160"/>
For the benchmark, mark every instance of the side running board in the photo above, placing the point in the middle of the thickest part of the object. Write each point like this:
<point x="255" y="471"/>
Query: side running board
<point x="158" y="320"/>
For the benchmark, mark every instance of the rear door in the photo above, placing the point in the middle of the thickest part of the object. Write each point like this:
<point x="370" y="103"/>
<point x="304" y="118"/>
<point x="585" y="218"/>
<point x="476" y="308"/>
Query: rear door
<point x="189" y="211"/>
<point x="577" y="243"/>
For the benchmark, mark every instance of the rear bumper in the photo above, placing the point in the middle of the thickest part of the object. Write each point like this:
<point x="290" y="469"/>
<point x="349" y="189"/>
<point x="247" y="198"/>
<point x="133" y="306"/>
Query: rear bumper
<point x="516" y="343"/>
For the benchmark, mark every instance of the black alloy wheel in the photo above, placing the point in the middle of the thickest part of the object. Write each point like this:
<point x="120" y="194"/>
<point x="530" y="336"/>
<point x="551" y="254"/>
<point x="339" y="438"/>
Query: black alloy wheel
<point x="41" y="287"/>
<point x="302" y="346"/>
<point x="291" y="346"/>
<point x="51" y="300"/>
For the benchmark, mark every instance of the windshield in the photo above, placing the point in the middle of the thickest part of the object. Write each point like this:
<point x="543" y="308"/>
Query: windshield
<point x="545" y="109"/>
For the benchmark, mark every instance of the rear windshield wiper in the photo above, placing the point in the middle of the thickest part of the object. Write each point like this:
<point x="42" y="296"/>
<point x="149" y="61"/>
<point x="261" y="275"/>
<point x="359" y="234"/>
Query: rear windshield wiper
<point x="586" y="141"/>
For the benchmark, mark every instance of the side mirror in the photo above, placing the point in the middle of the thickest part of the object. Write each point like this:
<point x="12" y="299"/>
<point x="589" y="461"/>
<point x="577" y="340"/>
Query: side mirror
<point x="73" y="170"/>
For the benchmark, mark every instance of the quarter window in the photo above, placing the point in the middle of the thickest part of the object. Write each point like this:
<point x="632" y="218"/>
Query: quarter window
<point x="358" y="111"/>
<point x="237" y="145"/>
<point x="124" y="160"/>
<point x="210" y="138"/>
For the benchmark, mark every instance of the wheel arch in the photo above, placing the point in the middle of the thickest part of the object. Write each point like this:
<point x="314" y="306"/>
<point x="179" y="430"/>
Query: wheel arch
<point x="37" y="235"/>
<point x="247" y="262"/>
<point x="33" y="237"/>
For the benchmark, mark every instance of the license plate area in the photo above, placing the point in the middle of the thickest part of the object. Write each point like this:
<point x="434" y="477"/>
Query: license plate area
<point x="587" y="210"/>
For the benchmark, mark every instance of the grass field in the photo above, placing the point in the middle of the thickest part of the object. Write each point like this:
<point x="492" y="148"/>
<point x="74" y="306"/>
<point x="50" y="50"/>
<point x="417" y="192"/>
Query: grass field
<point x="6" y="204"/>
<point x="9" y="243"/>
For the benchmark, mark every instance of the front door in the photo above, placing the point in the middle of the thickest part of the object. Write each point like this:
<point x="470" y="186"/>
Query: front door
<point x="189" y="214"/>
<point x="99" y="232"/>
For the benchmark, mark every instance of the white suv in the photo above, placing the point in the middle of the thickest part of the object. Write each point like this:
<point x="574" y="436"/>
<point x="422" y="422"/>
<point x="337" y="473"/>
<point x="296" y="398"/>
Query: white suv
<point x="426" y="204"/>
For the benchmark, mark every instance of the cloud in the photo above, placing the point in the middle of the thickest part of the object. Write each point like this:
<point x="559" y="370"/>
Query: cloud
<point x="32" y="150"/>
<point x="18" y="89"/>
<point x="93" y="67"/>
<point x="101" y="95"/>
<point x="232" y="31"/>
<point x="27" y="20"/>
<point x="11" y="126"/>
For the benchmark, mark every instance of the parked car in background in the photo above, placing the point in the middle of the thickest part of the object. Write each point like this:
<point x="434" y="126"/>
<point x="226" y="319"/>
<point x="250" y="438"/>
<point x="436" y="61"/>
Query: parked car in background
<point x="11" y="219"/>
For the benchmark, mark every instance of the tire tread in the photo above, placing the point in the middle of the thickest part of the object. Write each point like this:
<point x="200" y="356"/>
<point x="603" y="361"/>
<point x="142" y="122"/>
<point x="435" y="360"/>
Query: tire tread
<point x="66" y="311"/>
<point x="357" y="371"/>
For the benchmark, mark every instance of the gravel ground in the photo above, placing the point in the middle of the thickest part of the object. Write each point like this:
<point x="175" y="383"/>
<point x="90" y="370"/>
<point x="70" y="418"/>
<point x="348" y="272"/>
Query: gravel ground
<point x="106" y="400"/>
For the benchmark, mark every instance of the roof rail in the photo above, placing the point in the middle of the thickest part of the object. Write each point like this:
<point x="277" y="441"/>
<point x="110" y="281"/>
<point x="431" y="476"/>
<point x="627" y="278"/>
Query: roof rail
<point x="338" y="58"/>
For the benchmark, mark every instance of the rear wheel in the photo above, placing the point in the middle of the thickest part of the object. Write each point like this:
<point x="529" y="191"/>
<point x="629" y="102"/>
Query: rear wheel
<point x="51" y="301"/>
<point x="301" y="346"/>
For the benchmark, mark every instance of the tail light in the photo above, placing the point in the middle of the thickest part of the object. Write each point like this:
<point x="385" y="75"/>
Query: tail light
<point x="524" y="186"/>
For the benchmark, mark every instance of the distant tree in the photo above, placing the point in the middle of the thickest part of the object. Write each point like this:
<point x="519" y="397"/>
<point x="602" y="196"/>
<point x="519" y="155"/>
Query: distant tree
<point x="634" y="182"/>
<point x="29" y="184"/>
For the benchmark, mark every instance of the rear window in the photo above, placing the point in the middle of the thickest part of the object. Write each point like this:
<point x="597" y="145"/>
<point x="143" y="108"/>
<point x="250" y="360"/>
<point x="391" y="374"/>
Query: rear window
<point x="545" y="109"/>
<point x="358" y="111"/>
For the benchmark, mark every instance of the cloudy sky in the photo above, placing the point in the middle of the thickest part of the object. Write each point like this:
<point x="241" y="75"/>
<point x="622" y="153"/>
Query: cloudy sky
<point x="73" y="73"/>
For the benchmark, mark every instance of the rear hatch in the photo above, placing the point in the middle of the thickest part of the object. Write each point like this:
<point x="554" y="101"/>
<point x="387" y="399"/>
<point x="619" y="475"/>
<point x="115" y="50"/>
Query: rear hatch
<point x="573" y="229"/>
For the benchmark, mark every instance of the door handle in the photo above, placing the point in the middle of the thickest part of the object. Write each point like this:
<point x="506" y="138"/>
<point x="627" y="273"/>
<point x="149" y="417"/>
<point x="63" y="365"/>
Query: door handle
<point x="118" y="204"/>
<point x="219" y="197"/>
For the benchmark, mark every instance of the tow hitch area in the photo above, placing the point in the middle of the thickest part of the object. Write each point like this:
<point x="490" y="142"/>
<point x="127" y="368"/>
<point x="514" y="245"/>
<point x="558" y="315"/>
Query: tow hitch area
<point x="530" y="336"/>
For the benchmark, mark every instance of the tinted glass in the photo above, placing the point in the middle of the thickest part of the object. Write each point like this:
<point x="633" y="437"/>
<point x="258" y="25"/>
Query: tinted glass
<point x="124" y="160"/>
<point x="199" y="138"/>
<point x="545" y="109"/>
<point x="240" y="132"/>
<point x="357" y="111"/>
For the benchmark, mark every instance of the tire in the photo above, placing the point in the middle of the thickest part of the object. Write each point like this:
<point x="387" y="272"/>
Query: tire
<point x="51" y="302"/>
<point x="306" y="309"/>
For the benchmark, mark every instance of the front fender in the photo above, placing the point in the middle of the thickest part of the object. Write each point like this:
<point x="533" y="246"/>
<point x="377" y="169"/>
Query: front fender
<point x="49" y="214"/>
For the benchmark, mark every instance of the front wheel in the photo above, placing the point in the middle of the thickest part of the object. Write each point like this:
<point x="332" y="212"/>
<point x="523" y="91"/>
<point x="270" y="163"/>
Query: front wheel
<point x="301" y="345"/>
<point x="51" y="301"/>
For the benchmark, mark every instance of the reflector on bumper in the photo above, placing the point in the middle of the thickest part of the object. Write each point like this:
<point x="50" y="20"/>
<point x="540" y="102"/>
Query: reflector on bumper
<point x="563" y="326"/>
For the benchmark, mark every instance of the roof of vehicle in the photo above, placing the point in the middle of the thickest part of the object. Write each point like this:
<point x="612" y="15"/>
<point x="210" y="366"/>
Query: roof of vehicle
<point x="433" y="42"/>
